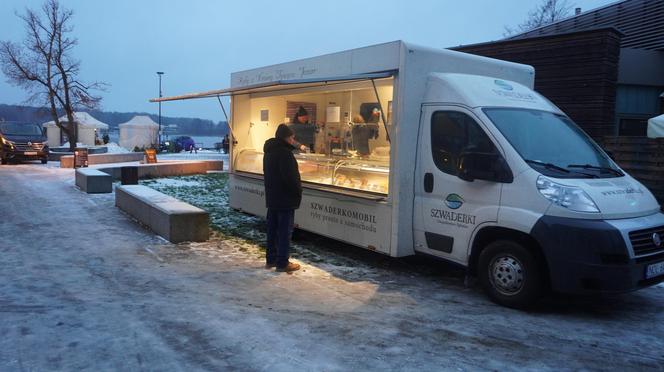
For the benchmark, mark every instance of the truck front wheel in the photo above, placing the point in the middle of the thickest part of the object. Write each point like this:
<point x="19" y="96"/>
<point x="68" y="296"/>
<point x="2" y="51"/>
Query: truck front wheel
<point x="3" y="161"/>
<point x="510" y="274"/>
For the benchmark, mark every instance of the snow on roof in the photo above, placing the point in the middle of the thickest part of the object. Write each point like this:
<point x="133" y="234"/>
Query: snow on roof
<point x="140" y="121"/>
<point x="84" y="120"/>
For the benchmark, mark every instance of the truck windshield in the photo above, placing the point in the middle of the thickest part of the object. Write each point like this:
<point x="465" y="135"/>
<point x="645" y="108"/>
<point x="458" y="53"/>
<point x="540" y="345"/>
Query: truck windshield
<point x="552" y="144"/>
<point x="20" y="129"/>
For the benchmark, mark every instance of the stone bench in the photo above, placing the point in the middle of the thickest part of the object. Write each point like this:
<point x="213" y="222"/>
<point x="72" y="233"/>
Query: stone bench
<point x="67" y="161"/>
<point x="169" y="217"/>
<point x="93" y="181"/>
<point x="167" y="168"/>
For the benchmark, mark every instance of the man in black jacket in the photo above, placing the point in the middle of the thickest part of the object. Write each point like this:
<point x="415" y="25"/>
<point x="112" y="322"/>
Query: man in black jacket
<point x="283" y="194"/>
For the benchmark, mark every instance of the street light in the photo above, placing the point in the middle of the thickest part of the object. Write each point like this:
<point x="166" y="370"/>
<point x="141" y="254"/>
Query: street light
<point x="159" y="133"/>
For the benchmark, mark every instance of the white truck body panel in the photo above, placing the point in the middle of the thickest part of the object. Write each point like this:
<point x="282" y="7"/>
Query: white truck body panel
<point x="412" y="66"/>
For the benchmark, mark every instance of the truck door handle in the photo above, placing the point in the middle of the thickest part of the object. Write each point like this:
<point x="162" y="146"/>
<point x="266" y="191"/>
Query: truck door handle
<point x="428" y="182"/>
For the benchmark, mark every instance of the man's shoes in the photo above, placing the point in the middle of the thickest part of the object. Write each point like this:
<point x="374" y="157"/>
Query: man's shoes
<point x="270" y="265"/>
<point x="289" y="268"/>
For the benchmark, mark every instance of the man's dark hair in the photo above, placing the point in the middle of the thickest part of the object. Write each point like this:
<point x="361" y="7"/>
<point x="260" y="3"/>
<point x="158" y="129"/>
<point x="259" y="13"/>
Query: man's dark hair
<point x="283" y="132"/>
<point x="300" y="112"/>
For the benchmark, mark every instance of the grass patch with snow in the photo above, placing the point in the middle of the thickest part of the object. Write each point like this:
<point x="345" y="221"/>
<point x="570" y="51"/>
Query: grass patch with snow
<point x="210" y="192"/>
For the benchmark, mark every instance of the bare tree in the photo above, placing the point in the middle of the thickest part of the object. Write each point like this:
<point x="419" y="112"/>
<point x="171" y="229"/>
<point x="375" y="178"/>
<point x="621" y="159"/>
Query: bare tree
<point x="42" y="65"/>
<point x="547" y="12"/>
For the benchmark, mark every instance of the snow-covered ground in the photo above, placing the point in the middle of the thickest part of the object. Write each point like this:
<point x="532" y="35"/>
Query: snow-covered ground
<point x="114" y="148"/>
<point x="84" y="287"/>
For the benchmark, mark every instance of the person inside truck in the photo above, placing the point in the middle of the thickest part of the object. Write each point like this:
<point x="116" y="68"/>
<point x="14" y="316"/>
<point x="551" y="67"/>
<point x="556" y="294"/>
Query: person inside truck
<point x="361" y="133"/>
<point x="305" y="131"/>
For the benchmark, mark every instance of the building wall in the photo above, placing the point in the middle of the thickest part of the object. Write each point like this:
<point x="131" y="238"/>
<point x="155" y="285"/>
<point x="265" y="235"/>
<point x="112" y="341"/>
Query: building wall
<point x="635" y="104"/>
<point x="641" y="67"/>
<point x="576" y="71"/>
<point x="640" y="85"/>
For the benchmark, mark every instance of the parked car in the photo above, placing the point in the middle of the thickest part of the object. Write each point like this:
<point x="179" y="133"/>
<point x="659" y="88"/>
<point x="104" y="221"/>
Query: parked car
<point x="22" y="141"/>
<point x="184" y="143"/>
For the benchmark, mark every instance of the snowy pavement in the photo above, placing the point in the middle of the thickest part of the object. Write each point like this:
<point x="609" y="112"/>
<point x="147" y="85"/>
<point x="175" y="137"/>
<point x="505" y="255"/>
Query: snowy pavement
<point x="84" y="287"/>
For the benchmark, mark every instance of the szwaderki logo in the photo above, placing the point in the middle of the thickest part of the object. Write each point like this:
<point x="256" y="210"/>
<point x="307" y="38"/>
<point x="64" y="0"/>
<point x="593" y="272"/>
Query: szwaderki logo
<point x="453" y="201"/>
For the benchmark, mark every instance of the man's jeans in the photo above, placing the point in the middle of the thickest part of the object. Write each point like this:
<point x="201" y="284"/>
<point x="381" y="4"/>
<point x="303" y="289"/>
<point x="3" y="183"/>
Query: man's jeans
<point x="279" y="230"/>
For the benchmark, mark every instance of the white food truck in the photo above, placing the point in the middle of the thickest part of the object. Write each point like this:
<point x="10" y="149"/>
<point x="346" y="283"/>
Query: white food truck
<point x="436" y="152"/>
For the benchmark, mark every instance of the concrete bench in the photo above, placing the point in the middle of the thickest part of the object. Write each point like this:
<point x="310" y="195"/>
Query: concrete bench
<point x="67" y="161"/>
<point x="93" y="181"/>
<point x="168" y="168"/>
<point x="169" y="217"/>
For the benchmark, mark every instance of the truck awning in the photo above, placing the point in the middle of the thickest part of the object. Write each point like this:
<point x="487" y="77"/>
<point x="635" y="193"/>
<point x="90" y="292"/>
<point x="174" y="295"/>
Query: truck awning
<point x="278" y="85"/>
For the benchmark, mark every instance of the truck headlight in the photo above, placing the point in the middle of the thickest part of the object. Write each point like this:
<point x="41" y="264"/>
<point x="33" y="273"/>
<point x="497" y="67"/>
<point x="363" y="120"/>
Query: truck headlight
<point x="569" y="197"/>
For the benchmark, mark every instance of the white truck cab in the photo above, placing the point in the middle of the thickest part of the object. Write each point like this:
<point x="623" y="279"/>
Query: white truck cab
<point x="512" y="188"/>
<point x="467" y="163"/>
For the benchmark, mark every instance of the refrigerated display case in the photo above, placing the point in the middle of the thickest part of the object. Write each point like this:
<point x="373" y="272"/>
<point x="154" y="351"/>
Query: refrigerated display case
<point x="358" y="174"/>
<point x="362" y="174"/>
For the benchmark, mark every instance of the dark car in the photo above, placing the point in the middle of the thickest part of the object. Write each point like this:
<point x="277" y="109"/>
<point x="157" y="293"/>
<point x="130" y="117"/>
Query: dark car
<point x="22" y="141"/>
<point x="184" y="143"/>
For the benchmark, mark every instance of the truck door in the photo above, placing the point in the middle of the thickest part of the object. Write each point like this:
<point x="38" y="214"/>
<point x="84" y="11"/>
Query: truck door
<point x="447" y="208"/>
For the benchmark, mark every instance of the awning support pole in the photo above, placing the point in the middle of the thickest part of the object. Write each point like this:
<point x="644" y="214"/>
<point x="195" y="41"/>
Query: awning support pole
<point x="382" y="113"/>
<point x="226" y="116"/>
<point x="222" y="108"/>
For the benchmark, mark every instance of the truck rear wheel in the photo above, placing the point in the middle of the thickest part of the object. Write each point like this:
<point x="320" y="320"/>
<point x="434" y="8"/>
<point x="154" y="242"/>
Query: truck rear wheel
<point x="3" y="161"/>
<point x="510" y="274"/>
<point x="44" y="160"/>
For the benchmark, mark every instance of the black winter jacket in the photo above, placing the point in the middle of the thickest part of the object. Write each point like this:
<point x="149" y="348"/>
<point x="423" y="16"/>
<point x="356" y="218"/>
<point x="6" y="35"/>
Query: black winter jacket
<point x="283" y="189"/>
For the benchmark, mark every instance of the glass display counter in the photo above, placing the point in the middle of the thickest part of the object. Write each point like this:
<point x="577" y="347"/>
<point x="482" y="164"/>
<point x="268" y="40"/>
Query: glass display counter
<point x="362" y="174"/>
<point x="249" y="160"/>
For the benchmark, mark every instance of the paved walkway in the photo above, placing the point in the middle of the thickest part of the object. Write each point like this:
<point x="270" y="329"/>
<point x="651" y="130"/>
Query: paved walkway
<point x="84" y="287"/>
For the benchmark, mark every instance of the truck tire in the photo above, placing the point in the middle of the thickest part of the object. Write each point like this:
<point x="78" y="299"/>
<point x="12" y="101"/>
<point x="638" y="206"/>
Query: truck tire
<point x="3" y="161"/>
<point x="510" y="274"/>
<point x="44" y="160"/>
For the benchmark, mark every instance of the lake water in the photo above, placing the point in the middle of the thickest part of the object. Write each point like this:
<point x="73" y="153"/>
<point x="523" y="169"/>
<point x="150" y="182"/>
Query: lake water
<point x="201" y="141"/>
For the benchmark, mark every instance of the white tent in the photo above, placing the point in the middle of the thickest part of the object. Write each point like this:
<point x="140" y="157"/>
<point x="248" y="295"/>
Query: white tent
<point x="656" y="127"/>
<point x="89" y="128"/>
<point x="140" y="131"/>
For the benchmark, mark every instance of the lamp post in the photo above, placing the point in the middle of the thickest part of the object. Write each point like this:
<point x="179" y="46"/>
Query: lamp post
<point x="159" y="133"/>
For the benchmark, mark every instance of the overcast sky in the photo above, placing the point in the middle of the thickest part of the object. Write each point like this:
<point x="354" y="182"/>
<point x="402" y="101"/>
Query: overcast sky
<point x="198" y="43"/>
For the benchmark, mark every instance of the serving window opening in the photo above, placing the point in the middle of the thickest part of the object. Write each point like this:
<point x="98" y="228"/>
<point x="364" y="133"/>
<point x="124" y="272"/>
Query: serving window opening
<point x="343" y="126"/>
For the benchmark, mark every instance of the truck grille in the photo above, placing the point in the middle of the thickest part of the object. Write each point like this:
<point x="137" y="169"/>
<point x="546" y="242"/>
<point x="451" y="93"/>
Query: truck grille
<point x="643" y="242"/>
<point x="22" y="146"/>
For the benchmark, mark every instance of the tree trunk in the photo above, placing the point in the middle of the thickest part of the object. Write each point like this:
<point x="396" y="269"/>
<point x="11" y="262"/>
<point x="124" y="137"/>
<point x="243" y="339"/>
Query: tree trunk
<point x="72" y="130"/>
<point x="71" y="135"/>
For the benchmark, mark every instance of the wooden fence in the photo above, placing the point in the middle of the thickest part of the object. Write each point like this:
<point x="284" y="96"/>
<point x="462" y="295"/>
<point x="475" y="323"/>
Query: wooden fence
<point x="642" y="158"/>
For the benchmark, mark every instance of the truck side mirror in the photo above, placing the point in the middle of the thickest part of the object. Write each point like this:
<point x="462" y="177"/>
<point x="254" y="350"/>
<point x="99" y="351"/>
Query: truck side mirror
<point x="484" y="166"/>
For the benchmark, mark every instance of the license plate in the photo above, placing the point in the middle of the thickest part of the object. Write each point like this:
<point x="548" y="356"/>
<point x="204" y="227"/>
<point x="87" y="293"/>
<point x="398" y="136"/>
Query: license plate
<point x="654" y="270"/>
<point x="30" y="153"/>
